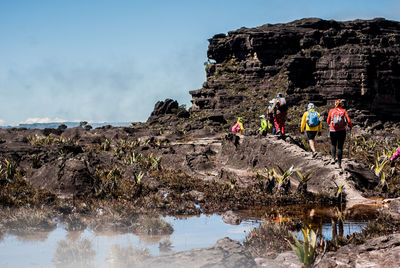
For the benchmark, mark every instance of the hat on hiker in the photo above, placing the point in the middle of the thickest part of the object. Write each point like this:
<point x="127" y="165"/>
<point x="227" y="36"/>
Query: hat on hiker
<point x="279" y="95"/>
<point x="271" y="101"/>
<point x="240" y="119"/>
<point x="262" y="116"/>
<point x="310" y="106"/>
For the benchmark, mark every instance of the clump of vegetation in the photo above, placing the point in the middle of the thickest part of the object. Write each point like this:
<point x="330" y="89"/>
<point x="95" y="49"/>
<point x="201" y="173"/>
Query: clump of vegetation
<point x="37" y="140"/>
<point x="15" y="190"/>
<point x="306" y="251"/>
<point x="268" y="239"/>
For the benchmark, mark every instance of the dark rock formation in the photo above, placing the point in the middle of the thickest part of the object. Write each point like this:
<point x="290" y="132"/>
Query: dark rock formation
<point x="165" y="107"/>
<point x="308" y="60"/>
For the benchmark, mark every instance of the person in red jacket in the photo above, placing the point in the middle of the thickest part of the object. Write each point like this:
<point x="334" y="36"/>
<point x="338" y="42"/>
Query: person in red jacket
<point x="337" y="120"/>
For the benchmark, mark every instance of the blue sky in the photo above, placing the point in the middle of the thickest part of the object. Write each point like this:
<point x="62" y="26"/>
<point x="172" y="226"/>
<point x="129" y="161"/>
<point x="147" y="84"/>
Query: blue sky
<point x="111" y="60"/>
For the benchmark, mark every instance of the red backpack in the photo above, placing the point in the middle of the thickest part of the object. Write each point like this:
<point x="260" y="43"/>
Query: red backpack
<point x="338" y="118"/>
<point x="236" y="128"/>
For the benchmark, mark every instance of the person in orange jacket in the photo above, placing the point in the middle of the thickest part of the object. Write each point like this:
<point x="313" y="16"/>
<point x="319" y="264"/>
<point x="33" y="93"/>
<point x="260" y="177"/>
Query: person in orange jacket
<point x="337" y="120"/>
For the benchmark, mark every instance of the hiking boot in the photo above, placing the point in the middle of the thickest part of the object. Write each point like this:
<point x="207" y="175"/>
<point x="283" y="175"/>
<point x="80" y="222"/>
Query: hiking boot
<point x="340" y="165"/>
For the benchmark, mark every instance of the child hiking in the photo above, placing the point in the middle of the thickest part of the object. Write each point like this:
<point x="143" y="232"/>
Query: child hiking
<point x="311" y="122"/>
<point x="238" y="126"/>
<point x="337" y="120"/>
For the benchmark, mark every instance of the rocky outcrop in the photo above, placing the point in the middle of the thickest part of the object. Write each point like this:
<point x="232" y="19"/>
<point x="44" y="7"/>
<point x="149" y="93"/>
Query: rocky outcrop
<point x="378" y="252"/>
<point x="225" y="253"/>
<point x="308" y="60"/>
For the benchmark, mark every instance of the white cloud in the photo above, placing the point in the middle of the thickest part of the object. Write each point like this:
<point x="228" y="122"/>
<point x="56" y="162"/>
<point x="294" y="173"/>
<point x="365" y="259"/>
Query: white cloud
<point x="43" y="120"/>
<point x="2" y="122"/>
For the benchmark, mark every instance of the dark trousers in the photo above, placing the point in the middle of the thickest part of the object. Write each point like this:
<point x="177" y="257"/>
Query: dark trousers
<point x="337" y="140"/>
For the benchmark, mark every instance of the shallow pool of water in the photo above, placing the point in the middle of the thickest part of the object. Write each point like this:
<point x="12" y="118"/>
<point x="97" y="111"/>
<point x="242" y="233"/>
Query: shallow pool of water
<point x="41" y="249"/>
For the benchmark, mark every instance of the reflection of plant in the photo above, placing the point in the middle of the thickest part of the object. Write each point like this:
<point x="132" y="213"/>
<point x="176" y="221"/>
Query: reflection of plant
<point x="306" y="251"/>
<point x="74" y="254"/>
<point x="126" y="257"/>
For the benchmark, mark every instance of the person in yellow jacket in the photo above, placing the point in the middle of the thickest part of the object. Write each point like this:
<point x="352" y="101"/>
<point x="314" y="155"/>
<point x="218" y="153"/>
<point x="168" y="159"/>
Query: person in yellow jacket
<point x="311" y="123"/>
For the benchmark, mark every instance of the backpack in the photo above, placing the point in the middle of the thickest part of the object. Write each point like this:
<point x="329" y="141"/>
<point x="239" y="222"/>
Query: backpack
<point x="235" y="128"/>
<point x="282" y="107"/>
<point x="313" y="119"/>
<point x="338" y="118"/>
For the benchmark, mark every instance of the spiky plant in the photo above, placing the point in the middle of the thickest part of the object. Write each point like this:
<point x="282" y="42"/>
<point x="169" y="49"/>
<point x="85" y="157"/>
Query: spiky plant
<point x="378" y="167"/>
<point x="283" y="176"/>
<point x="306" y="251"/>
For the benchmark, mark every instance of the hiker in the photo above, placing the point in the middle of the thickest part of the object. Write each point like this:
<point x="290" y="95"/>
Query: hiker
<point x="311" y="122"/>
<point x="394" y="157"/>
<point x="337" y="121"/>
<point x="271" y="117"/>
<point x="264" y="126"/>
<point x="280" y="108"/>
<point x="238" y="126"/>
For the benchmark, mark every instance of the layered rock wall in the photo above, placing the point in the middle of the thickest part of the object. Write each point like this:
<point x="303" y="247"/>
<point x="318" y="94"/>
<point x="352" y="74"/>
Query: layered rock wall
<point x="308" y="60"/>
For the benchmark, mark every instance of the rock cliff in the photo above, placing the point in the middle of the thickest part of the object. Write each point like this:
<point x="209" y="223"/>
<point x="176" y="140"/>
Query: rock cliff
<point x="308" y="60"/>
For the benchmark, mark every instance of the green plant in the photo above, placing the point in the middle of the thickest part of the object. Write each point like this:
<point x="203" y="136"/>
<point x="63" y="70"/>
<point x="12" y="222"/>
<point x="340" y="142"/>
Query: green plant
<point x="306" y="251"/>
<point x="378" y="167"/>
<point x="304" y="178"/>
<point x="36" y="162"/>
<point x="138" y="178"/>
<point x="106" y="145"/>
<point x="339" y="189"/>
<point x="8" y="170"/>
<point x="284" y="174"/>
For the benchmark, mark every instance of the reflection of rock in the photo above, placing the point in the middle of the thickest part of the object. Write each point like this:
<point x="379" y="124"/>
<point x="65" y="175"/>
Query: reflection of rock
<point x="225" y="253"/>
<point x="231" y="218"/>
<point x="378" y="252"/>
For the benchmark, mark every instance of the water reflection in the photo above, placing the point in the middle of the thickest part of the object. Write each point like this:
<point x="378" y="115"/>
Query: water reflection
<point x="75" y="253"/>
<point x="106" y="247"/>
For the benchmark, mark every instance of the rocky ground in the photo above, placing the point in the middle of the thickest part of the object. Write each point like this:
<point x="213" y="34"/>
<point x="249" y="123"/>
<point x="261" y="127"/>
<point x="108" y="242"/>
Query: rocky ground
<point x="80" y="174"/>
